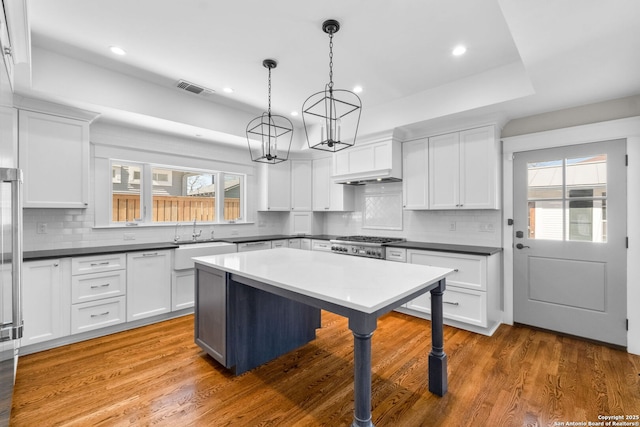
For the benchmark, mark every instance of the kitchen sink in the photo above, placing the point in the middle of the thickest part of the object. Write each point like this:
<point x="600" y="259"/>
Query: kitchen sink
<point x="187" y="250"/>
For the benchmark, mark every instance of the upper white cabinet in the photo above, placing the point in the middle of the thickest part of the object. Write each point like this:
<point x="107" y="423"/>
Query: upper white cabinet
<point x="301" y="187"/>
<point x="415" y="181"/>
<point x="276" y="186"/>
<point x="328" y="196"/>
<point x="54" y="156"/>
<point x="463" y="170"/>
<point x="369" y="162"/>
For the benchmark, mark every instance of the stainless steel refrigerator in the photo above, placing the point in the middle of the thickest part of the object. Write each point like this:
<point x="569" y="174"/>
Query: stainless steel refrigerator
<point x="10" y="281"/>
<point x="10" y="244"/>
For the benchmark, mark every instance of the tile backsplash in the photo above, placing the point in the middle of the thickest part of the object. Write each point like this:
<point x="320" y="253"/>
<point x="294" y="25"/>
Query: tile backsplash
<point x="468" y="227"/>
<point x="66" y="228"/>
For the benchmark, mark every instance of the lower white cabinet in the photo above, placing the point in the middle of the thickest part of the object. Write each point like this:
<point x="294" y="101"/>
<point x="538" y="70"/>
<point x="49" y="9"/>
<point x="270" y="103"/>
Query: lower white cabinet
<point x="46" y="300"/>
<point x="254" y="246"/>
<point x="148" y="284"/>
<point x="284" y="243"/>
<point x="320" y="245"/>
<point x="182" y="291"/>
<point x="472" y="297"/>
<point x="98" y="289"/>
<point x="101" y="313"/>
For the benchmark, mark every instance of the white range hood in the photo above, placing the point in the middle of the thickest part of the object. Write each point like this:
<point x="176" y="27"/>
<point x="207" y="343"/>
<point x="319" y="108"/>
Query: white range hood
<point x="370" y="162"/>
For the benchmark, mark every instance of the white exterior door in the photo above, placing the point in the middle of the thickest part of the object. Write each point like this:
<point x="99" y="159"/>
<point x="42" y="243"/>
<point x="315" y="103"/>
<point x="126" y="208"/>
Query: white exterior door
<point x="570" y="240"/>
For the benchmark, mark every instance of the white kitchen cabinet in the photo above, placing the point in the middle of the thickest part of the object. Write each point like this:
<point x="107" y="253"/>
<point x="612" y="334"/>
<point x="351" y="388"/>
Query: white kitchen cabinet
<point x="98" y="289"/>
<point x="276" y="186"/>
<point x="301" y="185"/>
<point x="283" y="243"/>
<point x="374" y="160"/>
<point x="182" y="290"/>
<point x="148" y="284"/>
<point x="464" y="170"/>
<point x="294" y="243"/>
<point x="254" y="246"/>
<point x="46" y="300"/>
<point x="54" y="156"/>
<point x="415" y="176"/>
<point x="328" y="196"/>
<point x="305" y="244"/>
<point x="320" y="245"/>
<point x="472" y="297"/>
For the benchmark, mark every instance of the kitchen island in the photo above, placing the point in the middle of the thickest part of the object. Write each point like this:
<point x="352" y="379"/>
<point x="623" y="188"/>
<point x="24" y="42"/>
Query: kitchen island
<point x="279" y="294"/>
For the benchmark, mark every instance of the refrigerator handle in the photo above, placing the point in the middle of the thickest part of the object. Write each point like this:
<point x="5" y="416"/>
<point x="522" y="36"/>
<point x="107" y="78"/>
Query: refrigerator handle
<point x="14" y="176"/>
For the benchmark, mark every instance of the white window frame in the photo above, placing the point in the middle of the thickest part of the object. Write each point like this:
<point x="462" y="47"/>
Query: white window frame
<point x="146" y="193"/>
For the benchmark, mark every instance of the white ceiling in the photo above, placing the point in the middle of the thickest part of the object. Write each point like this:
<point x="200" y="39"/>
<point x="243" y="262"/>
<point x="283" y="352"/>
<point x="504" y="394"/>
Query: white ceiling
<point x="524" y="56"/>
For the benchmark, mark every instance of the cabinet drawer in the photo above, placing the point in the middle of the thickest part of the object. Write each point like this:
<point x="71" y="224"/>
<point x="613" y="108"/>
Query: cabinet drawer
<point x="469" y="271"/>
<point x="95" y="264"/>
<point x="91" y="287"/>
<point x="396" y="254"/>
<point x="97" y="314"/>
<point x="459" y="304"/>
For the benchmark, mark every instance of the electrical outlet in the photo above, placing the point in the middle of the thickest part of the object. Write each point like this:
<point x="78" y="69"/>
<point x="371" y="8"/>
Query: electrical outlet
<point x="42" y="228"/>
<point x="234" y="232"/>
<point x="452" y="226"/>
<point x="129" y="236"/>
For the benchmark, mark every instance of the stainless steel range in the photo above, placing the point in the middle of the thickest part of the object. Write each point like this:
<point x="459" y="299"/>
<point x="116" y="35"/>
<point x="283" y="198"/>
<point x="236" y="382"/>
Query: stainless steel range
<point x="366" y="246"/>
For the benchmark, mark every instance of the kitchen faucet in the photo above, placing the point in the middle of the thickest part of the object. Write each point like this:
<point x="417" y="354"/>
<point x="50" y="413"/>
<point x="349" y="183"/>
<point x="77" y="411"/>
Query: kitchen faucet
<point x="176" y="238"/>
<point x="194" y="234"/>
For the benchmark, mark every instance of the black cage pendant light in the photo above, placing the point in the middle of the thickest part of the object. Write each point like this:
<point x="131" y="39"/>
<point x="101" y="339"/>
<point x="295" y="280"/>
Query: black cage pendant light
<point x="272" y="132"/>
<point x="337" y="111"/>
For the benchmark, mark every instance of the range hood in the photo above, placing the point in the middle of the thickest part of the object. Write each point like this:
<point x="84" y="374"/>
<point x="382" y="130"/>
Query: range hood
<point x="370" y="163"/>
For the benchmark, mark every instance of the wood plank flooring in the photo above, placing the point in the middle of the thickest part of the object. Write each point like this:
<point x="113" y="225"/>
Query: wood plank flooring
<point x="156" y="375"/>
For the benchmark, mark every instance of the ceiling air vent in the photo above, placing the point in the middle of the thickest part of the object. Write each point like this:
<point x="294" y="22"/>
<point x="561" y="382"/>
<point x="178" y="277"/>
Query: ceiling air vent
<point x="193" y="88"/>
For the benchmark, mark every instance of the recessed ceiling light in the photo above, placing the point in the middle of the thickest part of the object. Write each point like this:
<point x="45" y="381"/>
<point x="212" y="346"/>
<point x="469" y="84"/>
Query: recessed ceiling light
<point x="357" y="89"/>
<point x="227" y="90"/>
<point x="117" y="50"/>
<point x="459" y="50"/>
<point x="294" y="113"/>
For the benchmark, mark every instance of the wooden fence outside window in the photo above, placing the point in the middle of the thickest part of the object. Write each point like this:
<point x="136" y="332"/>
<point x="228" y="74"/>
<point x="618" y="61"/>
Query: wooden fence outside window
<point x="126" y="208"/>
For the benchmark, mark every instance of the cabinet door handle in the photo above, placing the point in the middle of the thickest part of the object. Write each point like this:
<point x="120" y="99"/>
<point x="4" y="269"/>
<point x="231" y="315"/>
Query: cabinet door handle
<point x="455" y="270"/>
<point x="100" y="314"/>
<point x="96" y="264"/>
<point x="100" y="286"/>
<point x="151" y="254"/>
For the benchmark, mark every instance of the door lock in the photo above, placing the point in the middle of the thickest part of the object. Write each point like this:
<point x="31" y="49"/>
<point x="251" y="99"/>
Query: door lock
<point x="519" y="234"/>
<point x="521" y="246"/>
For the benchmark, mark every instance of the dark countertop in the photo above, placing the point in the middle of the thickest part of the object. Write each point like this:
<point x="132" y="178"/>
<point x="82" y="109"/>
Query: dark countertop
<point x="96" y="250"/>
<point x="249" y="239"/>
<point x="445" y="247"/>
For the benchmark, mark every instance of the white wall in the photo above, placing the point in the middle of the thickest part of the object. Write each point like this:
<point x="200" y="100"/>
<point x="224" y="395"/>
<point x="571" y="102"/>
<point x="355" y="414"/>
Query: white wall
<point x="628" y="128"/>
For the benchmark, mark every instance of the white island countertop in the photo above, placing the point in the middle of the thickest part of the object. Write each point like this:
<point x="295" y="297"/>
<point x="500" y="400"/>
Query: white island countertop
<point x="362" y="284"/>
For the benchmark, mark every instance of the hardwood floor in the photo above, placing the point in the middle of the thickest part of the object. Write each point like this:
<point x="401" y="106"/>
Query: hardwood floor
<point x="156" y="375"/>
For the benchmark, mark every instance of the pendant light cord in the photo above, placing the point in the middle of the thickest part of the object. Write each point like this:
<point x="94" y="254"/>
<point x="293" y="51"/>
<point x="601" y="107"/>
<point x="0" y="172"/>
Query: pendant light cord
<point x="331" y="60"/>
<point x="269" y="111"/>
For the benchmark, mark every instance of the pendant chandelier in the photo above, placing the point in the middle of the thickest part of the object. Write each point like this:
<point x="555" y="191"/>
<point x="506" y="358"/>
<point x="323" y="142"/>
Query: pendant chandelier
<point x="337" y="111"/>
<point x="274" y="133"/>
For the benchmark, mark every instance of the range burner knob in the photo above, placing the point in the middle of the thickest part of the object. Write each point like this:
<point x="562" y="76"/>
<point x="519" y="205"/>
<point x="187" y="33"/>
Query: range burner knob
<point x="333" y="248"/>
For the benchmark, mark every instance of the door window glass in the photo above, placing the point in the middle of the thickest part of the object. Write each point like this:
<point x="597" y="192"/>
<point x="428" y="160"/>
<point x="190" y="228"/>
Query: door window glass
<point x="567" y="199"/>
